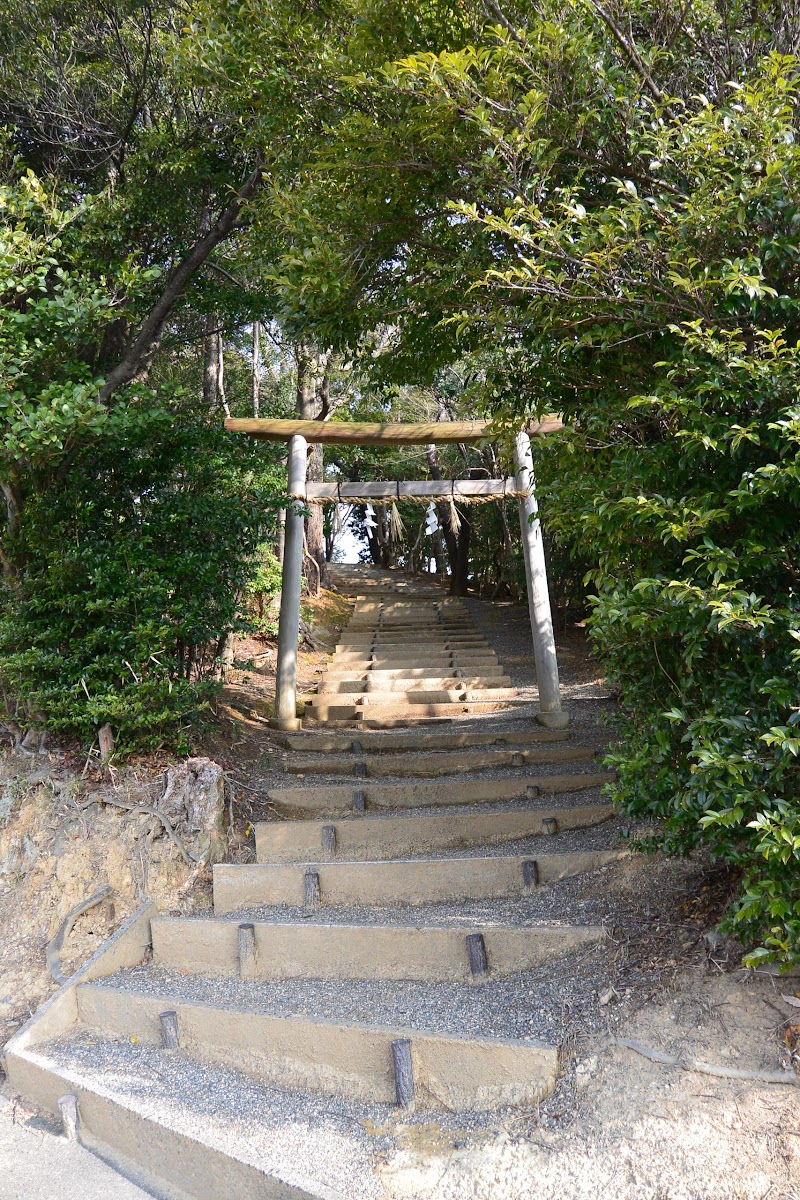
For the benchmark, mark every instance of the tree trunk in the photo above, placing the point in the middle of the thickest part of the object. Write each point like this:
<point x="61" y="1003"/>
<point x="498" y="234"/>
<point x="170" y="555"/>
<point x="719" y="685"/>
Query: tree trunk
<point x="457" y="545"/>
<point x="438" y="554"/>
<point x="256" y="367"/>
<point x="459" y="577"/>
<point x="12" y="493"/>
<point x="380" y="541"/>
<point x="214" y="367"/>
<point x="142" y="349"/>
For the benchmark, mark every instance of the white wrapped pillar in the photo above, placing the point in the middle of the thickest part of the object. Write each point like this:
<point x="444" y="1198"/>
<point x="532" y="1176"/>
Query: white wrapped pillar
<point x="291" y="581"/>
<point x="550" y="714"/>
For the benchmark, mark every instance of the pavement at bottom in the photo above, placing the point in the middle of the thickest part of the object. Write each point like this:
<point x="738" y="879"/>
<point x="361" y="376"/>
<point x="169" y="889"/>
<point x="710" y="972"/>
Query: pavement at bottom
<point x="36" y="1164"/>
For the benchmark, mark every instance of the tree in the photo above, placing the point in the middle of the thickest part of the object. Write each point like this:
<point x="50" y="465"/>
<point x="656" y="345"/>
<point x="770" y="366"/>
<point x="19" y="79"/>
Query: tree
<point x="643" y="272"/>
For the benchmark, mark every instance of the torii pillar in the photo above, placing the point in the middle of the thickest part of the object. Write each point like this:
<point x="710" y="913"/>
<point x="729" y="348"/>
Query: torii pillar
<point x="291" y="584"/>
<point x="550" y="713"/>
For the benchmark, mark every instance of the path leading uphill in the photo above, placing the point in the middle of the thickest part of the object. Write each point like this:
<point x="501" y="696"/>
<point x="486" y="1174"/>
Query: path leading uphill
<point x="387" y="1001"/>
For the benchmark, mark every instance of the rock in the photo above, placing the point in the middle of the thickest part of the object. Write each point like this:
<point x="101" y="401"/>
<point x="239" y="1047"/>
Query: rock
<point x="35" y="740"/>
<point x="37" y="777"/>
<point x="17" y="856"/>
<point x="194" y="800"/>
<point x="7" y="798"/>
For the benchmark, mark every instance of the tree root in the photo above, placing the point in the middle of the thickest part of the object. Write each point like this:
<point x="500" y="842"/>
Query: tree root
<point x="704" y="1068"/>
<point x="55" y="945"/>
<point x="187" y="856"/>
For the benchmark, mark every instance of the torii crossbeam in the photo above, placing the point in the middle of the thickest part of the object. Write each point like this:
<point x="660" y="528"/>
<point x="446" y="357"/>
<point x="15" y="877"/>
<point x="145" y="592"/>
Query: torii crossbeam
<point x="299" y="433"/>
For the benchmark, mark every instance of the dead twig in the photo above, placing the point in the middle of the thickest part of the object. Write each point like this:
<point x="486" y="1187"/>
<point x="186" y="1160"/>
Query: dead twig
<point x="704" y="1068"/>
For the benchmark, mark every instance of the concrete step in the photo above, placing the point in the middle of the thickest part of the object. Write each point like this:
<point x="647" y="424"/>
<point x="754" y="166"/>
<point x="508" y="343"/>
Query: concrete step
<point x="468" y="661"/>
<point x="419" y="696"/>
<point x="402" y="713"/>
<point x="418" y="649"/>
<point x="353" y="1059"/>
<point x="168" y="1144"/>
<point x="333" y="672"/>
<point x="421" y="649"/>
<point x="457" y="693"/>
<point x="437" y="665"/>
<point x="160" y="1120"/>
<point x="451" y="666"/>
<point x="360" y="722"/>
<point x="436" y="683"/>
<point x="383" y="837"/>
<point x="315" y="950"/>
<point x="337" y="798"/>
<point x="395" y="702"/>
<point x="435" y="763"/>
<point x="399" y="881"/>
<point x="429" y="622"/>
<point x="429" y="637"/>
<point x="377" y="742"/>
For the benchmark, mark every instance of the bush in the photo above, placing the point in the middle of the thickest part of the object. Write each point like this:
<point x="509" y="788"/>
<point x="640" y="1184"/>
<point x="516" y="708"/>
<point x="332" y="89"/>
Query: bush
<point x="131" y="574"/>
<point x="706" y="646"/>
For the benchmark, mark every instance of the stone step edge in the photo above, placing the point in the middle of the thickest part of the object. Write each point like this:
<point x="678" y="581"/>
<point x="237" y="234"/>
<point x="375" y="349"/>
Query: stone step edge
<point x="333" y="674"/>
<point x="460" y="693"/>
<point x="449" y="640"/>
<point x="342" y="797"/>
<point x="317" y="884"/>
<point x="352" y="1060"/>
<point x="356" y="722"/>
<point x="363" y="684"/>
<point x="375" y="838"/>
<point x="390" y="657"/>
<point x="424" y="763"/>
<point x="351" y="713"/>
<point x="128" y="1140"/>
<point x="374" y="741"/>
<point x="305" y="949"/>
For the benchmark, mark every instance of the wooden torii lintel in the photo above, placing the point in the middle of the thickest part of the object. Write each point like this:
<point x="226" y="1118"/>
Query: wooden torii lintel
<point x="342" y="433"/>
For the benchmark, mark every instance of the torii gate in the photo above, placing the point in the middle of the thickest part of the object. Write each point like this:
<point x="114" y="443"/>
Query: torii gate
<point x="299" y="433"/>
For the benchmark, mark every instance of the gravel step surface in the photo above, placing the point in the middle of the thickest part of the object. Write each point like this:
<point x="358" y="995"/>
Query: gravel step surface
<point x="544" y="804"/>
<point x="523" y="1006"/>
<point x="607" y="836"/>
<point x="585" y="899"/>
<point x="308" y="1141"/>
<point x="532" y="774"/>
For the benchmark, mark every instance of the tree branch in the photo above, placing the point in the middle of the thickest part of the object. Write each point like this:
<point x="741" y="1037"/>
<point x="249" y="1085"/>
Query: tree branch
<point x="142" y="349"/>
<point x="494" y="8"/>
<point x="631" y="53"/>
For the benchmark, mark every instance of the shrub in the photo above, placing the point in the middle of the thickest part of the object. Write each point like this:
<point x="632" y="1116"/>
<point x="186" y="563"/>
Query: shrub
<point x="706" y="645"/>
<point x="131" y="574"/>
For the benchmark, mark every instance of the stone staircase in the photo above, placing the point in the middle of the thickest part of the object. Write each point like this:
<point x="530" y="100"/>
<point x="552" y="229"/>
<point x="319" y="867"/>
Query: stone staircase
<point x="406" y="658"/>
<point x="375" y="962"/>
